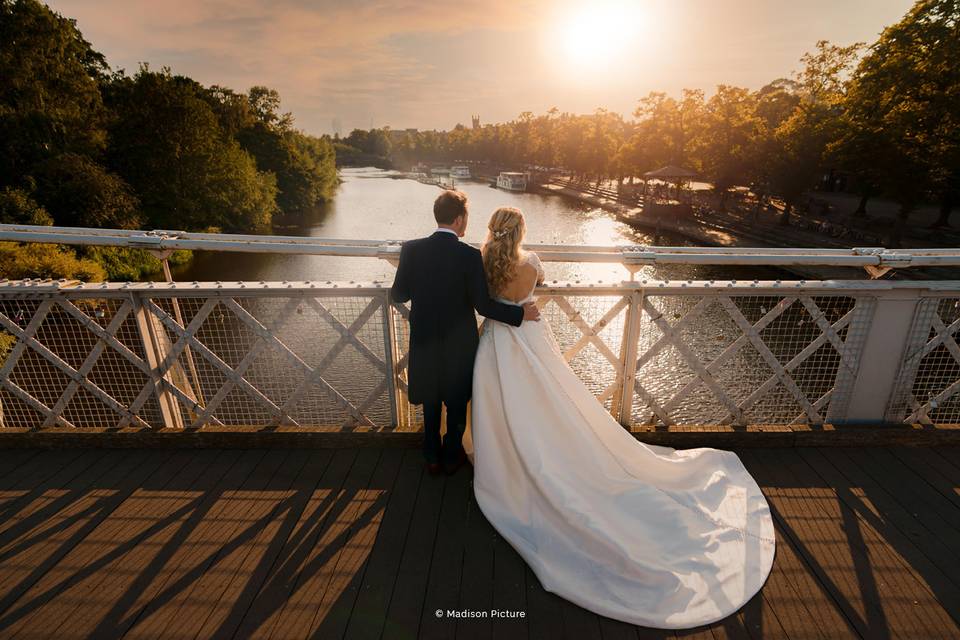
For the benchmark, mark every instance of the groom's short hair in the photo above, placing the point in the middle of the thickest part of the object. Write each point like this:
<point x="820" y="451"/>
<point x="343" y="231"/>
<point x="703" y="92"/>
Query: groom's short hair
<point x="449" y="205"/>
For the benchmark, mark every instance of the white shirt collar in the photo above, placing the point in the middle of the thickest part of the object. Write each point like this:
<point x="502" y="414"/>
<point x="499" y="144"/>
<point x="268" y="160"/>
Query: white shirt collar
<point x="448" y="231"/>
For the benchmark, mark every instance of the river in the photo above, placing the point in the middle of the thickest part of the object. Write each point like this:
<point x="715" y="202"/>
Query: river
<point x="376" y="204"/>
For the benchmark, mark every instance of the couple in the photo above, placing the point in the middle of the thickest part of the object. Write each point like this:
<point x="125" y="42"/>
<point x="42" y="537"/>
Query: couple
<point x="644" y="534"/>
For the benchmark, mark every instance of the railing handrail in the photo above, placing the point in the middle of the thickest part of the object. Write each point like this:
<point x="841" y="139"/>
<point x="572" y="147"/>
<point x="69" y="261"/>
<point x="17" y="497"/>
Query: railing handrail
<point x="185" y="289"/>
<point x="628" y="255"/>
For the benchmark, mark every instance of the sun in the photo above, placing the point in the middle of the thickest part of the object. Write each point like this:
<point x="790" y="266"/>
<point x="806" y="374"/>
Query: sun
<point x="597" y="33"/>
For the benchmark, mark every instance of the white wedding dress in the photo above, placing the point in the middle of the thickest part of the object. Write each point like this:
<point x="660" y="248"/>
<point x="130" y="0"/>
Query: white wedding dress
<point x="645" y="534"/>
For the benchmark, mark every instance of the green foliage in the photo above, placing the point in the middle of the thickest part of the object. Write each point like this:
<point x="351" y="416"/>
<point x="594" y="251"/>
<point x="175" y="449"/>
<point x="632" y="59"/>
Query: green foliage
<point x="46" y="261"/>
<point x="81" y="193"/>
<point x="902" y="114"/>
<point x="49" y="98"/>
<point x="17" y="207"/>
<point x="7" y="341"/>
<point x="167" y="142"/>
<point x="125" y="264"/>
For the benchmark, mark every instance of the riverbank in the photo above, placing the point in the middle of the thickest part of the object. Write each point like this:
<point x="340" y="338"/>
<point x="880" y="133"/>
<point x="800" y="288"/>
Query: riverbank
<point x="725" y="229"/>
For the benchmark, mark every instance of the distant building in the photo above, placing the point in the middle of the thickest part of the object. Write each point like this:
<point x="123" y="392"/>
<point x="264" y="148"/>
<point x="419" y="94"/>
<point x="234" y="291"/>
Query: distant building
<point x="476" y="121"/>
<point x="337" y="127"/>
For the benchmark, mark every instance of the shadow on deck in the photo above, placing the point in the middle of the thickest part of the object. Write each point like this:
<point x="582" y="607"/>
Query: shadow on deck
<point x="360" y="543"/>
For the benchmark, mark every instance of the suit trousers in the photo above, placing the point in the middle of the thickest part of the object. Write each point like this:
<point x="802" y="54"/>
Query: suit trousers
<point x="447" y="449"/>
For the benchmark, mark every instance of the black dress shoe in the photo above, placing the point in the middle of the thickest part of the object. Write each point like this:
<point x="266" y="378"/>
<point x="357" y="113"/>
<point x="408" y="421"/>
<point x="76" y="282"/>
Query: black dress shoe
<point x="451" y="469"/>
<point x="434" y="468"/>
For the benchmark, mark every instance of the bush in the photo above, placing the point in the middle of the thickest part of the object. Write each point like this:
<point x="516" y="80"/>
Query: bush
<point x="125" y="264"/>
<point x="17" y="207"/>
<point x="81" y="193"/>
<point x="46" y="261"/>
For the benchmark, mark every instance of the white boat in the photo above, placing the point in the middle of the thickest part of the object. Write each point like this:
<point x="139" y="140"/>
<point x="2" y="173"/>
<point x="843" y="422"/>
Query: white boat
<point x="512" y="181"/>
<point x="460" y="171"/>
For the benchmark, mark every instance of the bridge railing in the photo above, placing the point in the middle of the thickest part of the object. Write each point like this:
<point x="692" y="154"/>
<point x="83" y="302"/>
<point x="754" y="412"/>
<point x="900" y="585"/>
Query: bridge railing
<point x="258" y="355"/>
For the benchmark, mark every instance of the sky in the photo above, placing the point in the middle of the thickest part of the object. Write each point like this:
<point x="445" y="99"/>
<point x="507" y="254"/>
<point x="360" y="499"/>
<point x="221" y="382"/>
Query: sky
<point x="431" y="64"/>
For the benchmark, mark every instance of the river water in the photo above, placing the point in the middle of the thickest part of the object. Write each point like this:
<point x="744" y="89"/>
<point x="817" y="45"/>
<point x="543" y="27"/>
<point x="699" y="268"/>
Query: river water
<point x="376" y="204"/>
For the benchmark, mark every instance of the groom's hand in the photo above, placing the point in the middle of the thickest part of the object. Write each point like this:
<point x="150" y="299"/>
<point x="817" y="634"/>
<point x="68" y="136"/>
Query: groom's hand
<point x="531" y="312"/>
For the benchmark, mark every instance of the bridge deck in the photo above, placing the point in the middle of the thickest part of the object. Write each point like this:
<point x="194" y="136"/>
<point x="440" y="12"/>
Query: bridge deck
<point x="360" y="543"/>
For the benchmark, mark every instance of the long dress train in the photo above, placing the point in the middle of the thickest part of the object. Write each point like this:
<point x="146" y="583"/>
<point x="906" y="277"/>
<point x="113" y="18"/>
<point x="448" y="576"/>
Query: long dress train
<point x="645" y="534"/>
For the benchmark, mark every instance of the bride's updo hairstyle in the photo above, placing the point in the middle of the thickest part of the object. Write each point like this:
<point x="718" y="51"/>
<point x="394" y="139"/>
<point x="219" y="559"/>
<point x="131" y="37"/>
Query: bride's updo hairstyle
<point x="501" y="249"/>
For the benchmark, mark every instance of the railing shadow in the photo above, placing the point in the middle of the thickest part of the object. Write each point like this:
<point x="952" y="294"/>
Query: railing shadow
<point x="833" y="519"/>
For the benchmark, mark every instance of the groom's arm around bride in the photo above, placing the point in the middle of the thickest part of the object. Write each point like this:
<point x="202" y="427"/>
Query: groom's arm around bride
<point x="445" y="283"/>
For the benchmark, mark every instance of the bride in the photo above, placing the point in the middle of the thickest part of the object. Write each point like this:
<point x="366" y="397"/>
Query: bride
<point x="645" y="534"/>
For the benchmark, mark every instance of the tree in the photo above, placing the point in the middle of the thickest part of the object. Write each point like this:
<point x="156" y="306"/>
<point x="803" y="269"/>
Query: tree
<point x="81" y="193"/>
<point x="802" y="138"/>
<point x="167" y="142"/>
<point x="17" y="207"/>
<point x="727" y="130"/>
<point x="906" y="94"/>
<point x="50" y="101"/>
<point x="774" y="103"/>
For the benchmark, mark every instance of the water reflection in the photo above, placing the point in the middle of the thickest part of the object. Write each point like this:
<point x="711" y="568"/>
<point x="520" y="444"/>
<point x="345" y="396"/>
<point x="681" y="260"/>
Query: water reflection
<point x="376" y="204"/>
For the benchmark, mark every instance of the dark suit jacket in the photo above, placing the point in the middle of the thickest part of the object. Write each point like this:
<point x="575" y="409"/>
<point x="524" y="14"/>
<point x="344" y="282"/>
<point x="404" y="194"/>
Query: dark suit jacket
<point x="444" y="281"/>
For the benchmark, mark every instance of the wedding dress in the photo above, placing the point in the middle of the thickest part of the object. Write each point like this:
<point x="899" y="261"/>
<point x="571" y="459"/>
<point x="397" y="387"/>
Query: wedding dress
<point x="645" y="534"/>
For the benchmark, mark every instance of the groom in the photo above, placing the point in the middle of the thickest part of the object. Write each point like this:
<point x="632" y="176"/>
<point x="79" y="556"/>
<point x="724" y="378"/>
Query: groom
<point x="444" y="280"/>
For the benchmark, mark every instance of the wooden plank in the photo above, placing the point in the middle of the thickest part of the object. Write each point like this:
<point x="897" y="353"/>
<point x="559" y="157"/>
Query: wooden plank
<point x="933" y="549"/>
<point x="83" y="597"/>
<point x="938" y="472"/>
<point x="578" y="622"/>
<point x="446" y="564"/>
<point x="934" y="508"/>
<point x="544" y="609"/>
<point x="57" y="468"/>
<point x="370" y="608"/>
<point x="56" y="557"/>
<point x="192" y="539"/>
<point x="342" y="591"/>
<point x="12" y="460"/>
<point x="267" y="607"/>
<point x="48" y="515"/>
<point x="204" y="599"/>
<point x="406" y="600"/>
<point x="304" y="605"/>
<point x="219" y="531"/>
<point x="952" y="455"/>
<point x="697" y="633"/>
<point x="509" y="590"/>
<point x="476" y="585"/>
<point x="140" y="544"/>
<point x="880" y="594"/>
<point x="802" y="606"/>
<point x="247" y="582"/>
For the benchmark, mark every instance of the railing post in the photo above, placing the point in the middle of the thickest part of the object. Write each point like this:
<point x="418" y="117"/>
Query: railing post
<point x="398" y="400"/>
<point x="622" y="405"/>
<point x="902" y="403"/>
<point x="883" y="350"/>
<point x="155" y="351"/>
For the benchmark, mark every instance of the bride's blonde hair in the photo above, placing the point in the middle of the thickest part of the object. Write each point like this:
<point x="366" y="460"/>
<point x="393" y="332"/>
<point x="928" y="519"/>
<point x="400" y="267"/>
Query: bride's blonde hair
<point x="501" y="249"/>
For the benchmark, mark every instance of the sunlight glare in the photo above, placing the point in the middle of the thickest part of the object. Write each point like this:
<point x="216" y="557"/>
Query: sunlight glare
<point x="596" y="33"/>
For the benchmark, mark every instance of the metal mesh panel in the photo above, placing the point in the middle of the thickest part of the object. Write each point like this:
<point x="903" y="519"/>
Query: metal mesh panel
<point x="323" y="362"/>
<point x="324" y="357"/>
<point x="929" y="378"/>
<point x="739" y="359"/>
<point x="583" y="326"/>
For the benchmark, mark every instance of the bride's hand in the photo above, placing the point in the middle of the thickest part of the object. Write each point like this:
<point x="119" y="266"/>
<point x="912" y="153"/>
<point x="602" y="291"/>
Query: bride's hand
<point x="531" y="312"/>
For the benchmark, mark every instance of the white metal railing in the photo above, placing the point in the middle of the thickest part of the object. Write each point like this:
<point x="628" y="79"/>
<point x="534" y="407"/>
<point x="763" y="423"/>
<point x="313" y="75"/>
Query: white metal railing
<point x="875" y="259"/>
<point x="180" y="355"/>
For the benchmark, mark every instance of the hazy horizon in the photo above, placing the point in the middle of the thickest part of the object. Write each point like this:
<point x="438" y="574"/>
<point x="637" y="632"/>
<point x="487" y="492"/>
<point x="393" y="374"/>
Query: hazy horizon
<point x="431" y="65"/>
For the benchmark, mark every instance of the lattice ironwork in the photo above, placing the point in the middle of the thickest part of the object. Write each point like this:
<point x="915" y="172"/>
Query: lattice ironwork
<point x="738" y="359"/>
<point x="266" y="356"/>
<point x="928" y="383"/>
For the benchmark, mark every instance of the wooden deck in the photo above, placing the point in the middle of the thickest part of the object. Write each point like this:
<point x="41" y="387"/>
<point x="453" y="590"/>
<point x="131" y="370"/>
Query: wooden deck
<point x="360" y="543"/>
